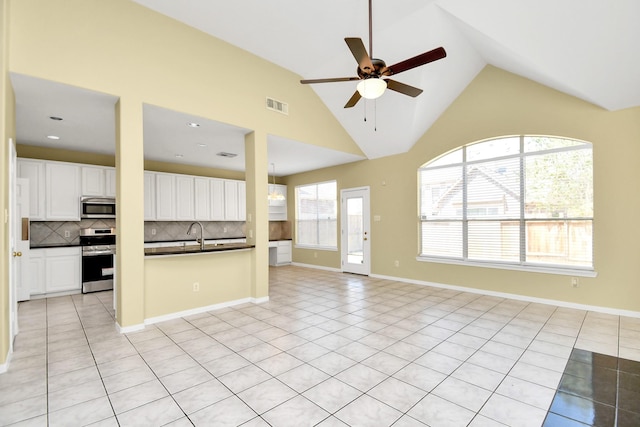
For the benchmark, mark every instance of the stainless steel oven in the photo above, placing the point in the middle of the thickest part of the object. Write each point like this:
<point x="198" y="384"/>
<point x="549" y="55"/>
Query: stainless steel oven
<point x="98" y="251"/>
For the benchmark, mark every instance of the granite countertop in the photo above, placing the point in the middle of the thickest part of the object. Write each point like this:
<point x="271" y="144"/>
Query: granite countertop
<point x="195" y="249"/>
<point x="55" y="245"/>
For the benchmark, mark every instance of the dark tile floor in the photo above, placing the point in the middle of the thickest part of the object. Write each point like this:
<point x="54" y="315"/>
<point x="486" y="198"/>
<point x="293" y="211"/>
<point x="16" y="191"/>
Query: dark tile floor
<point x="596" y="390"/>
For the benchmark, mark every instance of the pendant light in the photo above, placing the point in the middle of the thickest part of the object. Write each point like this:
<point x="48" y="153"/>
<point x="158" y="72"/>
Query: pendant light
<point x="274" y="194"/>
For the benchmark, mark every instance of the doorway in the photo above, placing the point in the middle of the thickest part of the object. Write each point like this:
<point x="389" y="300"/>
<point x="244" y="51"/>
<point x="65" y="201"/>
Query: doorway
<point x="355" y="233"/>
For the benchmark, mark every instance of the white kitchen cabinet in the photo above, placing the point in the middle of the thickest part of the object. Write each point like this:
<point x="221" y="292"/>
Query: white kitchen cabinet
<point x="55" y="270"/>
<point x="62" y="194"/>
<point x="216" y="186"/>
<point x="280" y="252"/>
<point x="110" y="182"/>
<point x="231" y="212"/>
<point x="202" y="198"/>
<point x="278" y="208"/>
<point x="37" y="284"/>
<point x="165" y="197"/>
<point x="33" y="170"/>
<point x="184" y="198"/>
<point x="98" y="181"/>
<point x="242" y="201"/>
<point x="149" y="196"/>
<point x="93" y="181"/>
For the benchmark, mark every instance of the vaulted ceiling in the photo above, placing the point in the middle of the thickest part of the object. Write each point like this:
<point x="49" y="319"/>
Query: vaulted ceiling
<point x="585" y="48"/>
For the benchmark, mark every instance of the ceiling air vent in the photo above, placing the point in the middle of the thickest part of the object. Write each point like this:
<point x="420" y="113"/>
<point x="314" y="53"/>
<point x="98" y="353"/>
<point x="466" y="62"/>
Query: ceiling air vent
<point x="224" y="154"/>
<point x="278" y="106"/>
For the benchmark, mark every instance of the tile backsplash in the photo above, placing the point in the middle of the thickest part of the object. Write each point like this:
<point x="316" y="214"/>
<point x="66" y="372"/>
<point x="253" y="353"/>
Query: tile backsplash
<point x="62" y="233"/>
<point x="54" y="233"/>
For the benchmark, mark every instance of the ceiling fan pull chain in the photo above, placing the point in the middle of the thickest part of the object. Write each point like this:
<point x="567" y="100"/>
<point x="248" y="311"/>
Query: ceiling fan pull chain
<point x="365" y="110"/>
<point x="375" y="115"/>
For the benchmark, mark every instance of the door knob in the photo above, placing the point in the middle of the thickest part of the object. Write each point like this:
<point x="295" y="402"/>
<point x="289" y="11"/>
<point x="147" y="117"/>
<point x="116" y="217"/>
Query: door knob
<point x="365" y="238"/>
<point x="17" y="254"/>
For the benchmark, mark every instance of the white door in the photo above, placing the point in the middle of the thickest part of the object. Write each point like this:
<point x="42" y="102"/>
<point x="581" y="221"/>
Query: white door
<point x="356" y="237"/>
<point x="20" y="251"/>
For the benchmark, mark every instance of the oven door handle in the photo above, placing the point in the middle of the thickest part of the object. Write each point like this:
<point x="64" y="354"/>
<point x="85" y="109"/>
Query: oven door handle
<point x="96" y="253"/>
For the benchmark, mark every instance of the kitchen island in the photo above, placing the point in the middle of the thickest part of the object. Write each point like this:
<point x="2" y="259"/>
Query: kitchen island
<point x="181" y="249"/>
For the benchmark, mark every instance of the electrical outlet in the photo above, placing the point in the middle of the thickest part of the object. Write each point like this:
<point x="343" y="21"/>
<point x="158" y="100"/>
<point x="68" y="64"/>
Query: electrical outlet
<point x="224" y="229"/>
<point x="315" y="254"/>
<point x="396" y="263"/>
<point x="67" y="233"/>
<point x="196" y="286"/>
<point x="153" y="231"/>
<point x="574" y="282"/>
<point x="251" y="234"/>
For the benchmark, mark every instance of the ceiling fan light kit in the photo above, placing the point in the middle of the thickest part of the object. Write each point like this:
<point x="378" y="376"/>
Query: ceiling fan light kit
<point x="372" y="70"/>
<point x="371" y="88"/>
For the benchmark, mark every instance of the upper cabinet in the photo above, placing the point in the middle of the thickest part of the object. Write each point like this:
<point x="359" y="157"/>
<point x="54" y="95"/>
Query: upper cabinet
<point x="62" y="191"/>
<point x="98" y="181"/>
<point x="33" y="170"/>
<point x="176" y="197"/>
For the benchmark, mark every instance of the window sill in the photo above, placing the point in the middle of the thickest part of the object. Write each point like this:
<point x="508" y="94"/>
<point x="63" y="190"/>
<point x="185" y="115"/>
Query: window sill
<point x="565" y="271"/>
<point x="317" y="248"/>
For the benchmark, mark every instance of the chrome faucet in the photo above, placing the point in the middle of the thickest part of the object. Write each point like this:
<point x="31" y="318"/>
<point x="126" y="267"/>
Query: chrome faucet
<point x="201" y="239"/>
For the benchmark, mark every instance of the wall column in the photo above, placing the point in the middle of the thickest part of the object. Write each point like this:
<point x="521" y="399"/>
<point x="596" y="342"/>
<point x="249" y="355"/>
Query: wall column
<point x="130" y="214"/>
<point x="256" y="176"/>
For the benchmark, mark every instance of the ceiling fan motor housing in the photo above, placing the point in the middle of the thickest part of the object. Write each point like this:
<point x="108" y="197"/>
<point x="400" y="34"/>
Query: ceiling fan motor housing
<point x="379" y="67"/>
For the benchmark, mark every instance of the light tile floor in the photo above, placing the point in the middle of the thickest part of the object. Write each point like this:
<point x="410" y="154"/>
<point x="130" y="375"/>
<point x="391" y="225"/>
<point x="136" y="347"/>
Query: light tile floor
<point x="328" y="349"/>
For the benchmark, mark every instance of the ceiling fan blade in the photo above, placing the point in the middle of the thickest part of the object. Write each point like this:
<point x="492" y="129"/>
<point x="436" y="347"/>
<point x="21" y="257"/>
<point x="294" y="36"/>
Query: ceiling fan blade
<point x="353" y="100"/>
<point x="416" y="61"/>
<point x="360" y="53"/>
<point x="403" y="88"/>
<point x="337" y="79"/>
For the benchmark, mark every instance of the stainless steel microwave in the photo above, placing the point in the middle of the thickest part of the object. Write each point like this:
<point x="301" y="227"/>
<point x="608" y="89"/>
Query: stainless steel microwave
<point x="97" y="207"/>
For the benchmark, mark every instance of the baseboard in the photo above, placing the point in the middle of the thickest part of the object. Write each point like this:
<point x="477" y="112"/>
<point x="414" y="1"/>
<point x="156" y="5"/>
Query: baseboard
<point x="4" y="367"/>
<point x="260" y="300"/>
<point x="596" y="308"/>
<point x="128" y="329"/>
<point x="317" y="267"/>
<point x="191" y="312"/>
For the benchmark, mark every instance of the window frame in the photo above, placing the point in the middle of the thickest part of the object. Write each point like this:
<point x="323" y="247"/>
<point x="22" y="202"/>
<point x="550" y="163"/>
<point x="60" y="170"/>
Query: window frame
<point x="296" y="206"/>
<point x="521" y="264"/>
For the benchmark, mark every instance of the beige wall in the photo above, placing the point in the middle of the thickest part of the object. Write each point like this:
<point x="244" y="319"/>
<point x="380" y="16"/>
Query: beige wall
<point x="222" y="277"/>
<point x="498" y="103"/>
<point x="7" y="130"/>
<point x="123" y="49"/>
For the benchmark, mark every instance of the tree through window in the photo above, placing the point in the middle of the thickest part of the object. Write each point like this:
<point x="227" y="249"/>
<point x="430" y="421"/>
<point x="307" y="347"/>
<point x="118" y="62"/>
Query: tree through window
<point x="525" y="200"/>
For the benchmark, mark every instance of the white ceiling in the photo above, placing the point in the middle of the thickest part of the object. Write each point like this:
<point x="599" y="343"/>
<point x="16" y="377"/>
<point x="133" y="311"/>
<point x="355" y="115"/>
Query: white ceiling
<point x="585" y="48"/>
<point x="88" y="125"/>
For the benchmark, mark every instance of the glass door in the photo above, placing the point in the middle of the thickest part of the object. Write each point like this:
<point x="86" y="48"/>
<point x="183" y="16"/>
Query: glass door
<point x="356" y="238"/>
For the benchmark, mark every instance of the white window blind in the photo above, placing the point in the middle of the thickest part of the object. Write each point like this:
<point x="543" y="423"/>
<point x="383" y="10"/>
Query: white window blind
<point x="317" y="215"/>
<point x="518" y="200"/>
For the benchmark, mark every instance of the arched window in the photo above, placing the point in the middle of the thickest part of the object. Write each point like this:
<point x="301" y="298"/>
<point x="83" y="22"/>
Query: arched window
<point x="517" y="201"/>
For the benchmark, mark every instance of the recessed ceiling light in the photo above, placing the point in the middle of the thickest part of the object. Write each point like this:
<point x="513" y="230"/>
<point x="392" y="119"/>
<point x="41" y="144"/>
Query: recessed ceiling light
<point x="202" y="145"/>
<point x="179" y="155"/>
<point x="53" y="137"/>
<point x="55" y="118"/>
<point x="193" y="125"/>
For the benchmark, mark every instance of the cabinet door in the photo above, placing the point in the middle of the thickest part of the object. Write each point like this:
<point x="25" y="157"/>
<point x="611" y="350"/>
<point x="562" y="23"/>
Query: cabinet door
<point x="33" y="170"/>
<point x="216" y="186"/>
<point x="37" y="284"/>
<point x="149" y="196"/>
<point x="62" y="269"/>
<point x="110" y="182"/>
<point x="92" y="181"/>
<point x="184" y="198"/>
<point x="231" y="200"/>
<point x="62" y="201"/>
<point x="165" y="197"/>
<point x="284" y="252"/>
<point x="242" y="201"/>
<point x="202" y="199"/>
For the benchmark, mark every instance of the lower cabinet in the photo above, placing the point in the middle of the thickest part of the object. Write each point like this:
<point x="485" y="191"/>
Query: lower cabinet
<point x="280" y="252"/>
<point x="55" y="270"/>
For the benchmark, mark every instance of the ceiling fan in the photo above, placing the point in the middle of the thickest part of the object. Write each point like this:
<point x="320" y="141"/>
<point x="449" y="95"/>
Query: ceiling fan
<point x="371" y="71"/>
